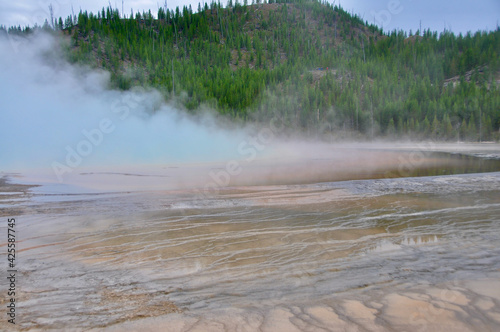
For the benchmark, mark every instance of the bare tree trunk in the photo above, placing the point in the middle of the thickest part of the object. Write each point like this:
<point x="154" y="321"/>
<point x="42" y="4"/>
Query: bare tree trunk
<point x="173" y="78"/>
<point x="51" y="11"/>
<point x="371" y="110"/>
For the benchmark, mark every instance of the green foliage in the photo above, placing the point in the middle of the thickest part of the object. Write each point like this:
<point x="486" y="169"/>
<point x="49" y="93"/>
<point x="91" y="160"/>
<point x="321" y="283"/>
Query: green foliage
<point x="312" y="64"/>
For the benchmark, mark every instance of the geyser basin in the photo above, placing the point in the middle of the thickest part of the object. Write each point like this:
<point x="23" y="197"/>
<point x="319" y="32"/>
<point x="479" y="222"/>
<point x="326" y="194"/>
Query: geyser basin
<point x="385" y="253"/>
<point x="281" y="164"/>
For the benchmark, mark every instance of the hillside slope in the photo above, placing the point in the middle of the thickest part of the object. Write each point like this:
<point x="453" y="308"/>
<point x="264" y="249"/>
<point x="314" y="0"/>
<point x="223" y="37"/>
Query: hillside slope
<point x="313" y="65"/>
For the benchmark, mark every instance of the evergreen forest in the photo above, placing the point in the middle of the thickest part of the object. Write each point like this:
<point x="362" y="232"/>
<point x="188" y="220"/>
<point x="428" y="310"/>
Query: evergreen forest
<point x="319" y="69"/>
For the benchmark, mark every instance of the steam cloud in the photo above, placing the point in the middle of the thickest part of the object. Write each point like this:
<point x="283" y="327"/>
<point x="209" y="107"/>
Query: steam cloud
<point x="62" y="119"/>
<point x="60" y="116"/>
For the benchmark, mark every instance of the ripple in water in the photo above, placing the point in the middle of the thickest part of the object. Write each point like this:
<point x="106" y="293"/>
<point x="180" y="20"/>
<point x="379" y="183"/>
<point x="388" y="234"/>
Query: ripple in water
<point x="380" y="254"/>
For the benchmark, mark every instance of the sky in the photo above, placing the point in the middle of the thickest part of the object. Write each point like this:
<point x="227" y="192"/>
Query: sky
<point x="459" y="16"/>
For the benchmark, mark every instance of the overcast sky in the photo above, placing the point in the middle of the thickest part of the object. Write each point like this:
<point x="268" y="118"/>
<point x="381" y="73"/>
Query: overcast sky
<point x="456" y="15"/>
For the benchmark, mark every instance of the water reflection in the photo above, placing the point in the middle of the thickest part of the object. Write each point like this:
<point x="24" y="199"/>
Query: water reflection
<point x="385" y="246"/>
<point x="392" y="253"/>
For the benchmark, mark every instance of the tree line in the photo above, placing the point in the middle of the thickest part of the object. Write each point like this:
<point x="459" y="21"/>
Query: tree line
<point x="317" y="67"/>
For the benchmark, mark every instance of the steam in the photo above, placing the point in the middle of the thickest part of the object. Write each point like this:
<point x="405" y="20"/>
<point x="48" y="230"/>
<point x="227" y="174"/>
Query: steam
<point x="56" y="115"/>
<point x="63" y="120"/>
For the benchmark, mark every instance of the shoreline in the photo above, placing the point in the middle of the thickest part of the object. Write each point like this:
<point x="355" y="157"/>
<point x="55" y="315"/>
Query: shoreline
<point x="306" y="164"/>
<point x="377" y="254"/>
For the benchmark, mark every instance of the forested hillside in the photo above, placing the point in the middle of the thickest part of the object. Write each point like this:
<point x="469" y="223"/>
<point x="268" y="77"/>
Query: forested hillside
<point x="315" y="66"/>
